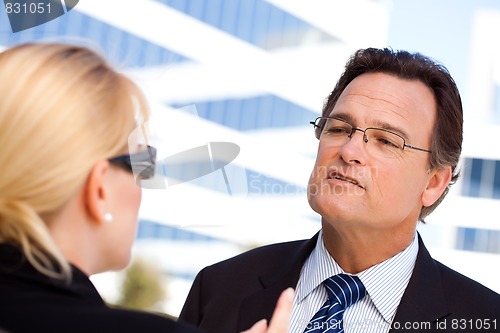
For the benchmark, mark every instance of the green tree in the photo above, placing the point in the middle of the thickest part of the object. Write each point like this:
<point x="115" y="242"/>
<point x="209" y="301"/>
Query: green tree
<point x="142" y="288"/>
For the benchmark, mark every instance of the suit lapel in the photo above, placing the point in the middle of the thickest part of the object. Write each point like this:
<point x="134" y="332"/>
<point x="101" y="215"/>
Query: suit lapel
<point x="423" y="299"/>
<point x="262" y="303"/>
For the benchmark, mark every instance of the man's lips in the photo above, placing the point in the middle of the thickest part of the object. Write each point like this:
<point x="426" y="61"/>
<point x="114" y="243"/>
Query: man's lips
<point x="336" y="175"/>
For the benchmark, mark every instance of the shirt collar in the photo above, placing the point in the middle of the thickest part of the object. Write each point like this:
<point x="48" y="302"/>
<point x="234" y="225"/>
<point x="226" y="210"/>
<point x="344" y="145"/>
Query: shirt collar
<point x="387" y="281"/>
<point x="317" y="268"/>
<point x="389" y="277"/>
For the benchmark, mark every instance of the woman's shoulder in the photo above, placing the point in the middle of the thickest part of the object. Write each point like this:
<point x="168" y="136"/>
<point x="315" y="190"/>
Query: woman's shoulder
<point x="33" y="302"/>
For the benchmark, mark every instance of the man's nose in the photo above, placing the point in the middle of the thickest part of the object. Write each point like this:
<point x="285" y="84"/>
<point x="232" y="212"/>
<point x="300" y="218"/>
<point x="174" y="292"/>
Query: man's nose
<point x="362" y="132"/>
<point x="354" y="150"/>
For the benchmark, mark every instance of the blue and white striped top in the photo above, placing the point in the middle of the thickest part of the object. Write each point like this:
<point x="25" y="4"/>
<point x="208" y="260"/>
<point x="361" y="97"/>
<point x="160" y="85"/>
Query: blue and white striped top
<point x="385" y="284"/>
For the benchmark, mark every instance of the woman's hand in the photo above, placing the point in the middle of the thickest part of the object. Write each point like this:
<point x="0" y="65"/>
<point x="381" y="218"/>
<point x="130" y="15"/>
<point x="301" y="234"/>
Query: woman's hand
<point x="281" y="316"/>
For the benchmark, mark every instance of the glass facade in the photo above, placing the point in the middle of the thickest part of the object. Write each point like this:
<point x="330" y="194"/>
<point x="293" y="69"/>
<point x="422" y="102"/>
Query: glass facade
<point x="481" y="179"/>
<point x="254" y="21"/>
<point x="119" y="46"/>
<point x="254" y="113"/>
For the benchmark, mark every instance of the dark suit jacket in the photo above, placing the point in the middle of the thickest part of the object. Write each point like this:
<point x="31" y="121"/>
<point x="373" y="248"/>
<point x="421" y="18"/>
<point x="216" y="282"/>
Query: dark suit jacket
<point x="32" y="302"/>
<point x="232" y="295"/>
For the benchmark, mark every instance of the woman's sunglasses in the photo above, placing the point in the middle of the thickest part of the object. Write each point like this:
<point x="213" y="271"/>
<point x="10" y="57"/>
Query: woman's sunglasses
<point x="141" y="164"/>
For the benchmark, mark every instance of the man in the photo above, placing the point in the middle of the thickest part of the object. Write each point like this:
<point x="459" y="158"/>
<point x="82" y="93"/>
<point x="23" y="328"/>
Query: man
<point x="390" y="139"/>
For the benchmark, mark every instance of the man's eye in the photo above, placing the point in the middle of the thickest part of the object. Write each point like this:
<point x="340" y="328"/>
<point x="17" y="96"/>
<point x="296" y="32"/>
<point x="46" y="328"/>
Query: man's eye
<point x="387" y="143"/>
<point x="338" y="130"/>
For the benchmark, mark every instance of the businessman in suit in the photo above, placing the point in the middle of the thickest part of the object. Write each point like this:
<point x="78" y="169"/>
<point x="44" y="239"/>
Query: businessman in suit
<point x="390" y="139"/>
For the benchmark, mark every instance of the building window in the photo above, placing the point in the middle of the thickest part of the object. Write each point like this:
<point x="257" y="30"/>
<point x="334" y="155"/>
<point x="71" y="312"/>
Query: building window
<point x="481" y="178"/>
<point x="478" y="240"/>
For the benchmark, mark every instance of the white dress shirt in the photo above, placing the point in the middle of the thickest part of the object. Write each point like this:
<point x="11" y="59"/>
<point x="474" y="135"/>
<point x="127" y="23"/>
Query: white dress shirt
<point x="385" y="284"/>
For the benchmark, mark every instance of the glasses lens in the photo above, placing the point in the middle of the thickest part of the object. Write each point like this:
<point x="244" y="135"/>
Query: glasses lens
<point x="319" y="123"/>
<point x="143" y="163"/>
<point x="384" y="143"/>
<point x="335" y="131"/>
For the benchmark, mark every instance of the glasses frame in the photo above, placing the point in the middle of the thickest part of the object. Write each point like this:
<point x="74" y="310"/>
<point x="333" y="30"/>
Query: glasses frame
<point x="354" y="129"/>
<point x="125" y="162"/>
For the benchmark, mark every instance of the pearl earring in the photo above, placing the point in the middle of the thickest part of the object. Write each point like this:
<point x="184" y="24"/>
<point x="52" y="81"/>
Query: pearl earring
<point x="108" y="217"/>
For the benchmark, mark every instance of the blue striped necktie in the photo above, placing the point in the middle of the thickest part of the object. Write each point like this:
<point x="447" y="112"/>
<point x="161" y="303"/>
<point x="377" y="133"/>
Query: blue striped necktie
<point x="343" y="291"/>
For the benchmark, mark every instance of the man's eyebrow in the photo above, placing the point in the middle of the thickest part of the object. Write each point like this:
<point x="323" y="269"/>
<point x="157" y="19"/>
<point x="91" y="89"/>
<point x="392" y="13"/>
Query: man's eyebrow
<point x="345" y="117"/>
<point x="392" y="128"/>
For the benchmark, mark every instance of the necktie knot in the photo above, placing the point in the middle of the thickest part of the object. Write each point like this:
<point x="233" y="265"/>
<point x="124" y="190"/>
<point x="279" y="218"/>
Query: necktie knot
<point x="344" y="289"/>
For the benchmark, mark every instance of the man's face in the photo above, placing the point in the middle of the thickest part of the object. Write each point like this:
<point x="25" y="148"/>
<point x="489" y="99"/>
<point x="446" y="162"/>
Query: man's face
<point x="352" y="185"/>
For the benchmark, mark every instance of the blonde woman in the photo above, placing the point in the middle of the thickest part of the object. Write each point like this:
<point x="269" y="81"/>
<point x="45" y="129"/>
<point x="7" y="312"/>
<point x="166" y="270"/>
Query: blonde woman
<point x="68" y="198"/>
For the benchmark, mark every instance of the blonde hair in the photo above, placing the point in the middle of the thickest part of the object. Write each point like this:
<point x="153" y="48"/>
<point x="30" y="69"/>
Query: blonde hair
<point x="62" y="109"/>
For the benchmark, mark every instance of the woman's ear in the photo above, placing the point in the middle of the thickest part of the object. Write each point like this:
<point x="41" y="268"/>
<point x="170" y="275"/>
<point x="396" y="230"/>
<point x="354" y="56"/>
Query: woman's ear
<point x="96" y="195"/>
<point x="439" y="179"/>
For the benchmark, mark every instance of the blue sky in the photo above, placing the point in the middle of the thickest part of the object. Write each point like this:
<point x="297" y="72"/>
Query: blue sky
<point x="437" y="28"/>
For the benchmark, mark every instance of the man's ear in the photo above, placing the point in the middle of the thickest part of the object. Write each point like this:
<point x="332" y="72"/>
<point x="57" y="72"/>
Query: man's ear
<point x="439" y="179"/>
<point x="95" y="192"/>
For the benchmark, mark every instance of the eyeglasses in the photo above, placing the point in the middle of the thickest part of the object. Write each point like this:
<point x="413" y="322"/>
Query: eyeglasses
<point x="380" y="141"/>
<point x="141" y="164"/>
